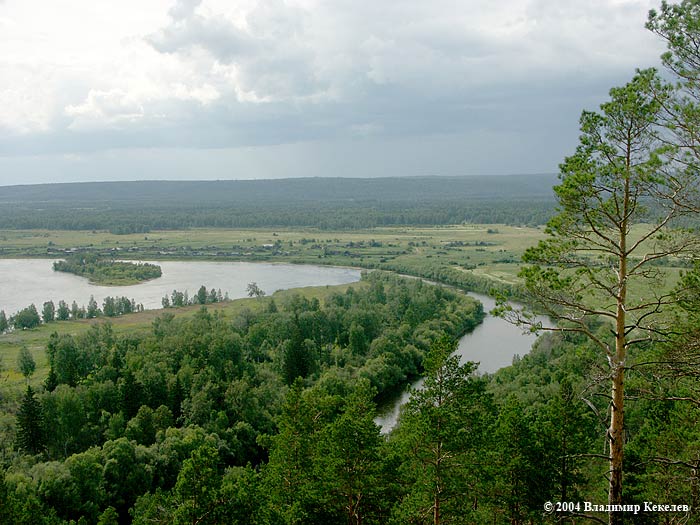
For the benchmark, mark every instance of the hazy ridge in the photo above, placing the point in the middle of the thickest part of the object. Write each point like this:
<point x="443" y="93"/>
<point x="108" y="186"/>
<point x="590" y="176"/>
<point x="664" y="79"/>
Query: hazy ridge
<point x="288" y="190"/>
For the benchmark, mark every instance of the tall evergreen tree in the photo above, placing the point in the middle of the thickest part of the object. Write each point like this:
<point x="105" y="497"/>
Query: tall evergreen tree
<point x="523" y="473"/>
<point x="30" y="431"/>
<point x="618" y="200"/>
<point x="297" y="360"/>
<point x="289" y="476"/>
<point x="441" y="434"/>
<point x="348" y="463"/>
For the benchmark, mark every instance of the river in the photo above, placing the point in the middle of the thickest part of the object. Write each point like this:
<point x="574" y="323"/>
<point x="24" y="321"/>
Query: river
<point x="27" y="281"/>
<point x="492" y="344"/>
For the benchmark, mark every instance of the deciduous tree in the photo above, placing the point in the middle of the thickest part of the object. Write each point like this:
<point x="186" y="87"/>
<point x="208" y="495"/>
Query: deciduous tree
<point x="25" y="362"/>
<point x="48" y="312"/>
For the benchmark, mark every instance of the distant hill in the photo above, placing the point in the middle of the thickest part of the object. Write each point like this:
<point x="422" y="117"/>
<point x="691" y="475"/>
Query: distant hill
<point x="289" y="190"/>
<point x="330" y="203"/>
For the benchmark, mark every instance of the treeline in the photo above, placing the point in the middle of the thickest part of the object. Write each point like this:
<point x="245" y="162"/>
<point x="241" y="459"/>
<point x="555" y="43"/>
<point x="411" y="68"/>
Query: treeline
<point x="322" y="215"/>
<point x="103" y="271"/>
<point x="124" y="421"/>
<point x="279" y="191"/>
<point x="203" y="296"/>
<point x="30" y="317"/>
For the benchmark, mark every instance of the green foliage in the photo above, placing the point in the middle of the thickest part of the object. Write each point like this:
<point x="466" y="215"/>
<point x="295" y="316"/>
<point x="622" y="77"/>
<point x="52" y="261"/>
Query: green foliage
<point x="26" y="318"/>
<point x="196" y="492"/>
<point x="63" y="312"/>
<point x="348" y="464"/>
<point x="30" y="424"/>
<point x="137" y="207"/>
<point x="116" y="306"/>
<point x="254" y="290"/>
<point x="48" y="312"/>
<point x="522" y="470"/>
<point x="107" y="271"/>
<point x="592" y="266"/>
<point x="25" y="362"/>
<point x="442" y="440"/>
<point x="127" y="412"/>
<point x="108" y="517"/>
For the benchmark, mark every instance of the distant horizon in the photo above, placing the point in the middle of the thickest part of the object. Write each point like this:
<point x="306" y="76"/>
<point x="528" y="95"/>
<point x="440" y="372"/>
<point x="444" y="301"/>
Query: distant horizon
<point x="311" y="177"/>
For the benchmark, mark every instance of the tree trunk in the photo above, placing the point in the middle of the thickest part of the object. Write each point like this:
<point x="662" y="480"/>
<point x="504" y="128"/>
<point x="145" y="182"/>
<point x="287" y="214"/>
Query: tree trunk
<point x="617" y="364"/>
<point x="616" y="439"/>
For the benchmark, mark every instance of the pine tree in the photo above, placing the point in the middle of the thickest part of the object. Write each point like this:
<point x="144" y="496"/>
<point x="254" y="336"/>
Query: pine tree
<point x="441" y="436"/>
<point x="348" y="464"/>
<point x="619" y="199"/>
<point x="30" y="431"/>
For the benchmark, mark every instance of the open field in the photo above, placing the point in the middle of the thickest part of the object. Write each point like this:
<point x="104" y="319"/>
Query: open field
<point x="487" y="253"/>
<point x="466" y="246"/>
<point x="491" y="251"/>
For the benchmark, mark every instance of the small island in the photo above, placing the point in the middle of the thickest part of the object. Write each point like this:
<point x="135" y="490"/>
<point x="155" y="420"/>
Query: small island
<point x="107" y="272"/>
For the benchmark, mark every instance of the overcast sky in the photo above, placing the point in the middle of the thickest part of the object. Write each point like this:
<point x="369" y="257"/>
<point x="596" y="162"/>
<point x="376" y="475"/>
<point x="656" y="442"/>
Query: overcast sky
<point x="239" y="89"/>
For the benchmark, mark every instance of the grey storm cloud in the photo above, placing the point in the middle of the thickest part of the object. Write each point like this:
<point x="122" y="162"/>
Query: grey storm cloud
<point x="257" y="73"/>
<point x="388" y="66"/>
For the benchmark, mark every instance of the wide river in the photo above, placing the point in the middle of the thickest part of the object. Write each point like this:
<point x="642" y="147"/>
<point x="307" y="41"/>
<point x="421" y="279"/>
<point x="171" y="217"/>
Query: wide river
<point x="27" y="281"/>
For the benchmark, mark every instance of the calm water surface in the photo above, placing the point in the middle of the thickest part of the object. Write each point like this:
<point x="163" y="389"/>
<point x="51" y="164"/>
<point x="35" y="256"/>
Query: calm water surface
<point x="26" y="281"/>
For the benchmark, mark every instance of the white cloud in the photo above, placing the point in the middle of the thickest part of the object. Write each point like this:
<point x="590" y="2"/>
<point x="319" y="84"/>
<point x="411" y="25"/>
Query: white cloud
<point x="215" y="73"/>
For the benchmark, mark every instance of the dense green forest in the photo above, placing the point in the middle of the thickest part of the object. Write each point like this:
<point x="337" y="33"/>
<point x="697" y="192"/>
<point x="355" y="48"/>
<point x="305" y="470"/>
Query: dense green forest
<point x="267" y="418"/>
<point x="325" y="216"/>
<point x="130" y="207"/>
<point x="122" y="420"/>
<point x="278" y="191"/>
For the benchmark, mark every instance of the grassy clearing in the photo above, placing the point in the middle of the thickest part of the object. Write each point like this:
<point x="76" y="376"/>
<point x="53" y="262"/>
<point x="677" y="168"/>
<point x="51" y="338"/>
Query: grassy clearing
<point x="492" y="251"/>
